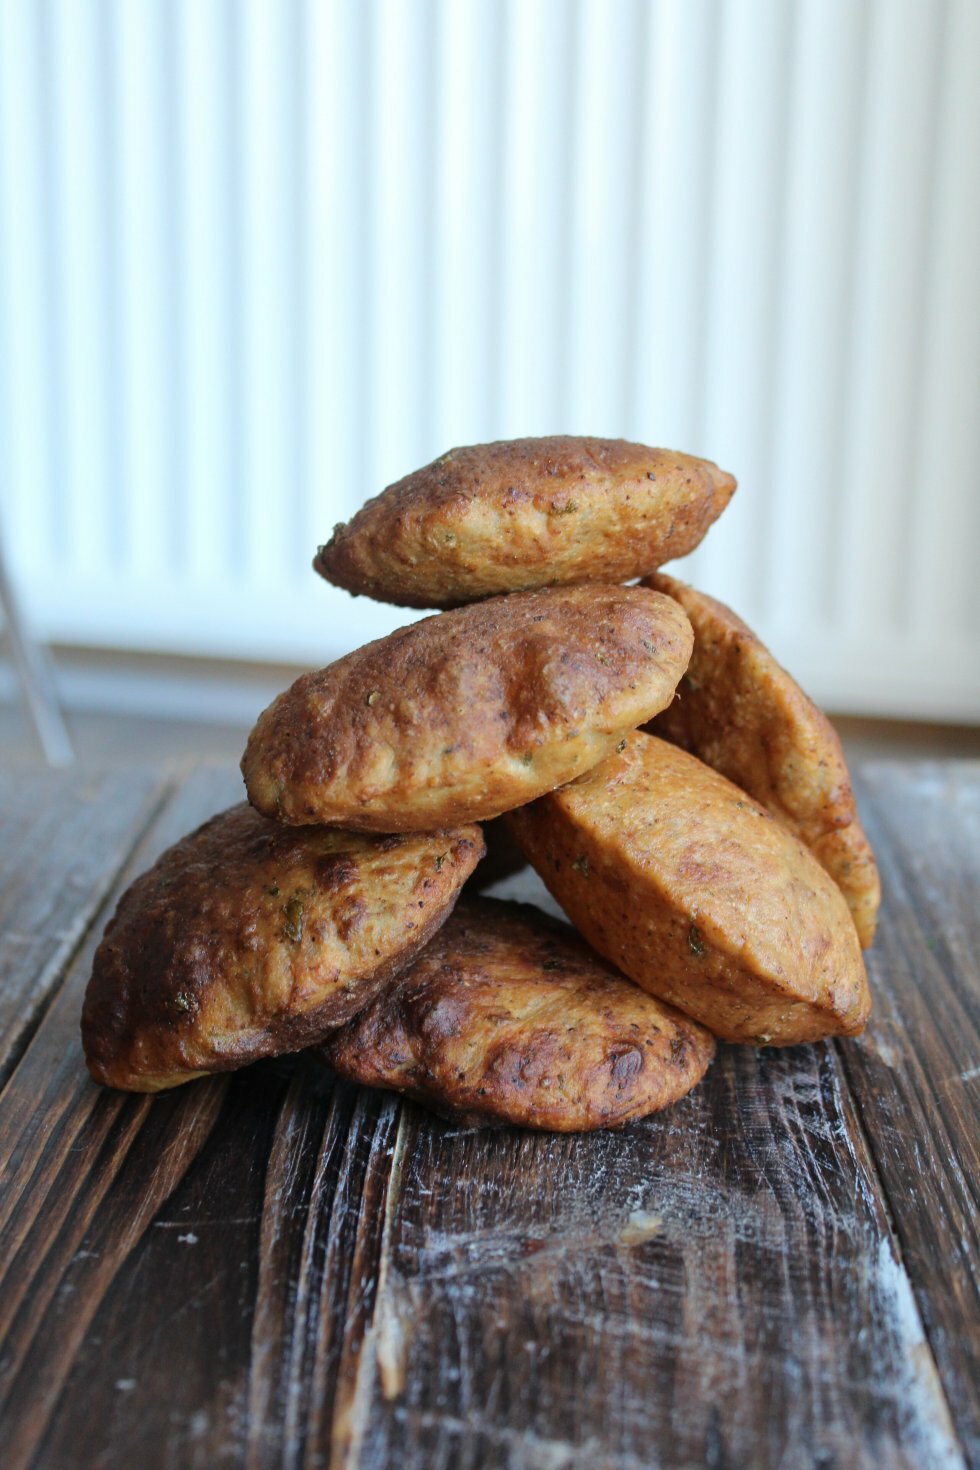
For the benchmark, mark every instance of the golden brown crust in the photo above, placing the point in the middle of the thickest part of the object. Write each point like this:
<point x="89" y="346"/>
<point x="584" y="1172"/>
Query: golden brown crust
<point x="466" y="714"/>
<point x="247" y="939"/>
<point x="524" y="513"/>
<point x="695" y="892"/>
<point x="739" y="711"/>
<point x="507" y="1017"/>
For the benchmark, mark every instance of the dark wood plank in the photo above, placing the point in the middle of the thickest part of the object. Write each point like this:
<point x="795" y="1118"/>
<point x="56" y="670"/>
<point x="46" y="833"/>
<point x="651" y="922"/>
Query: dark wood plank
<point x="916" y="1073"/>
<point x="270" y="1269"/>
<point x="181" y="1275"/>
<point x="715" y="1288"/>
<point x="216" y="1315"/>
<point x="201" y="1314"/>
<point x="63" y="1144"/>
<point x="63" y="838"/>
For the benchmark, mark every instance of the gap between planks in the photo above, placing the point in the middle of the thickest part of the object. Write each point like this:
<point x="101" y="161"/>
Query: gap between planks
<point x="379" y="1348"/>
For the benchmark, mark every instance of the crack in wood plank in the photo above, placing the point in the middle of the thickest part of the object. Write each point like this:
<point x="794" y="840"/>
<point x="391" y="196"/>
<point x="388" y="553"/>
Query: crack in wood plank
<point x="304" y="1372"/>
<point x="357" y="1363"/>
<point x="282" y="1313"/>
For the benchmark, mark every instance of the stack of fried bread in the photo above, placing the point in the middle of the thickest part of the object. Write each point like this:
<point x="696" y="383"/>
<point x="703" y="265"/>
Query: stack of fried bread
<point x="685" y="803"/>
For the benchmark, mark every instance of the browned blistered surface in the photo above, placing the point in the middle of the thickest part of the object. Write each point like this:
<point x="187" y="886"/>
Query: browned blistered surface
<point x="467" y="714"/>
<point x="741" y="712"/>
<point x="525" y="513"/>
<point x="508" y="1017"/>
<point x="700" y="896"/>
<point x="247" y="939"/>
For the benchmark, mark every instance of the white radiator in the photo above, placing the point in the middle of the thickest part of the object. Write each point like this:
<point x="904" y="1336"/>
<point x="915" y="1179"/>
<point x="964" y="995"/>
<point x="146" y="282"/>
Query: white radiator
<point x="259" y="259"/>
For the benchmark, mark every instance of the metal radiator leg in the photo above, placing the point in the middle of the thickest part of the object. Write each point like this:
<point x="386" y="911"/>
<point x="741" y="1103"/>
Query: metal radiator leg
<point x="34" y="669"/>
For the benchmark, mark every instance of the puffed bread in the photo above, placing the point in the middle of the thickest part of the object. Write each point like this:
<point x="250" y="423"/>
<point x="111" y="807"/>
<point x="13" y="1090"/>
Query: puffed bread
<point x="508" y="1017"/>
<point x="693" y="890"/>
<point x="247" y="939"/>
<point x="464" y="715"/>
<point x="524" y="513"/>
<point x="739" y="711"/>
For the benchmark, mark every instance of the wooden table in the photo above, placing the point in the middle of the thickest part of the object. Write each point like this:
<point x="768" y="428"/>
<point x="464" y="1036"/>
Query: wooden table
<point x="270" y="1268"/>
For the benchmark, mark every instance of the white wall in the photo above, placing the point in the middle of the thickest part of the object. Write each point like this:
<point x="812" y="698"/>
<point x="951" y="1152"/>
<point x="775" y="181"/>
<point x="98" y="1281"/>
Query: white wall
<point x="260" y="257"/>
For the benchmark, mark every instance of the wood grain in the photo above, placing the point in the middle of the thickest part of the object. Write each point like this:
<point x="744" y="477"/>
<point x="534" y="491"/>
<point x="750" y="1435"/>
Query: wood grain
<point x="274" y="1269"/>
<point x="63" y="837"/>
<point x="916" y="1073"/>
<point x="719" y="1287"/>
<point x="63" y="1147"/>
